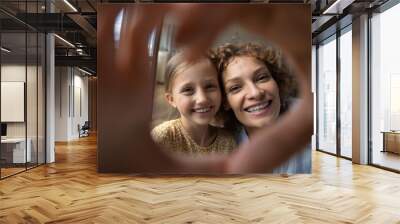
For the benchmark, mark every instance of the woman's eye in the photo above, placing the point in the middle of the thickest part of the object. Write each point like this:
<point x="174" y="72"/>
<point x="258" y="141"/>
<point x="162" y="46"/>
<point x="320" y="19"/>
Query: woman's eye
<point x="234" y="89"/>
<point x="263" y="77"/>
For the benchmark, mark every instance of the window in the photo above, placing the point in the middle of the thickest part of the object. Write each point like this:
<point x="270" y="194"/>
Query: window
<point x="326" y="136"/>
<point x="385" y="88"/>
<point x="346" y="92"/>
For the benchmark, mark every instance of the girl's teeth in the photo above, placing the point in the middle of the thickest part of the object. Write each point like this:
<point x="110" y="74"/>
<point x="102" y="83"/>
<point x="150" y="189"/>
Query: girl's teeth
<point x="202" y="110"/>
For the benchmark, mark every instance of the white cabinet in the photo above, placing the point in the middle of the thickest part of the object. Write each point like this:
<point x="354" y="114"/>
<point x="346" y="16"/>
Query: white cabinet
<point x="17" y="146"/>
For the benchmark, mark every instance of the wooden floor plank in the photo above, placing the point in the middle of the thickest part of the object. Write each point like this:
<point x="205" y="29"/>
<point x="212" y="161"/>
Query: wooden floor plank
<point x="71" y="191"/>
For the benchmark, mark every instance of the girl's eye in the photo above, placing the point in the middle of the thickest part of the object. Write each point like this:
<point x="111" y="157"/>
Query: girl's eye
<point x="187" y="91"/>
<point x="211" y="87"/>
<point x="234" y="89"/>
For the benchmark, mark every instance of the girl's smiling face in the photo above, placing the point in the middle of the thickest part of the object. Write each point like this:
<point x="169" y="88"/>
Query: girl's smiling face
<point x="195" y="93"/>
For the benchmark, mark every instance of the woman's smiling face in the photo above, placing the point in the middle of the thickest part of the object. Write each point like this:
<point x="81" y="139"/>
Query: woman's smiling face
<point x="251" y="92"/>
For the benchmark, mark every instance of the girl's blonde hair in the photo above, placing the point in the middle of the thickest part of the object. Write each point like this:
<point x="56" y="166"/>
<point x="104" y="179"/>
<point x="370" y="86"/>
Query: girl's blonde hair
<point x="178" y="63"/>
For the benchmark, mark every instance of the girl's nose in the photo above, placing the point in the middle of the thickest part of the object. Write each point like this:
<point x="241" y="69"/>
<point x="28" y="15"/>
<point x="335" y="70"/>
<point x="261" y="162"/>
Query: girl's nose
<point x="201" y="97"/>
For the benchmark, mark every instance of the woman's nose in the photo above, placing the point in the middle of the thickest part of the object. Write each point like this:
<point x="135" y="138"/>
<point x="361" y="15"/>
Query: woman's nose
<point x="254" y="92"/>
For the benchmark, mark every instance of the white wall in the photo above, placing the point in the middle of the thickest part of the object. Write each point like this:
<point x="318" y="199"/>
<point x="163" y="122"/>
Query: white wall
<point x="62" y="81"/>
<point x="16" y="73"/>
<point x="71" y="102"/>
<point x="81" y="83"/>
<point x="10" y="73"/>
<point x="13" y="73"/>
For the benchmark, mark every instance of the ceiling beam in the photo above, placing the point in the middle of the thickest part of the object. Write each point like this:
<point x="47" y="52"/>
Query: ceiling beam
<point x="337" y="7"/>
<point x="84" y="24"/>
<point x="85" y="61"/>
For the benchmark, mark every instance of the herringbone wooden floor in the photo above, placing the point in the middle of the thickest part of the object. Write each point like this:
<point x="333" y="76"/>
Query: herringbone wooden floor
<point x="70" y="191"/>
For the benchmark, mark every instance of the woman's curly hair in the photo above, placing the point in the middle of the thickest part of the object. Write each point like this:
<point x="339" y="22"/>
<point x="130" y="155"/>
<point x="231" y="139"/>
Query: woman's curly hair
<point x="272" y="59"/>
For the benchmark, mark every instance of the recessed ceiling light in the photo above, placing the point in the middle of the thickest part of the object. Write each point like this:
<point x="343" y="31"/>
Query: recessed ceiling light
<point x="337" y="7"/>
<point x="84" y="71"/>
<point x="70" y="5"/>
<point x="5" y="50"/>
<point x="65" y="41"/>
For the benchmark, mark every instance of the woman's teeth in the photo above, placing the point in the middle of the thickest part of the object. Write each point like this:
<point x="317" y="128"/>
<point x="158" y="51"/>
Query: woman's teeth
<point x="258" y="107"/>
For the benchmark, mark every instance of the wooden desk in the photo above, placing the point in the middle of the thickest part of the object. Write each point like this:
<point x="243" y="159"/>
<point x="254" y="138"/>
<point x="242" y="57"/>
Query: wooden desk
<point x="13" y="150"/>
<point x="391" y="141"/>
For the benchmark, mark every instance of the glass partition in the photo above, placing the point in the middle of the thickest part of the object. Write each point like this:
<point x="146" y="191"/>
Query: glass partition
<point x="32" y="95"/>
<point x="22" y="77"/>
<point x="326" y="136"/>
<point x="14" y="153"/>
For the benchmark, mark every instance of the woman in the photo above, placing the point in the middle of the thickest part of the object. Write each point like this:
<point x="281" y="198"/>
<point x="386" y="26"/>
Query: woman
<point x="258" y="89"/>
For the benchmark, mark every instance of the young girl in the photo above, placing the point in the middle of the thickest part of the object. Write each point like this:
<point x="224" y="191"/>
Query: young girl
<point x="193" y="89"/>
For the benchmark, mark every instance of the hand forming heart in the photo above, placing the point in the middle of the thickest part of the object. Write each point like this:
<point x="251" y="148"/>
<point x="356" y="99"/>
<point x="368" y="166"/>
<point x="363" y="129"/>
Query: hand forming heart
<point x="288" y="26"/>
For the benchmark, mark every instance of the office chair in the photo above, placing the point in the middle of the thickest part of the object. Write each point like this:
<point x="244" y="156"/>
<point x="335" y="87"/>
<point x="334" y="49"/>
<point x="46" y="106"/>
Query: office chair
<point x="84" y="130"/>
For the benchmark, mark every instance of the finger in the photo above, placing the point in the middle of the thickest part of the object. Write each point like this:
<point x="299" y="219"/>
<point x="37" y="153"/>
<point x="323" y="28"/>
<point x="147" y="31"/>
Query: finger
<point x="137" y="25"/>
<point x="284" y="31"/>
<point x="132" y="63"/>
<point x="106" y="21"/>
<point x="133" y="58"/>
<point x="199" y="26"/>
<point x="202" y="164"/>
